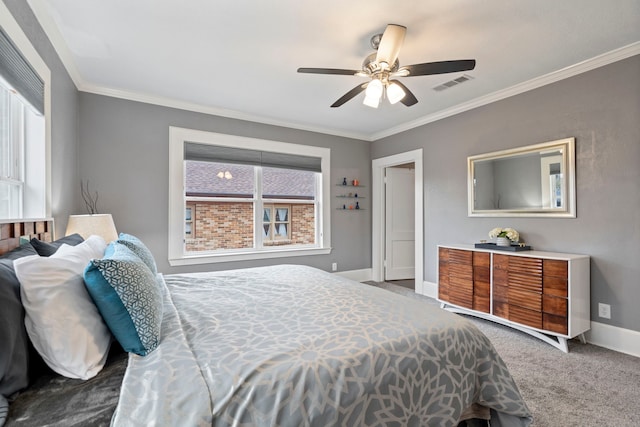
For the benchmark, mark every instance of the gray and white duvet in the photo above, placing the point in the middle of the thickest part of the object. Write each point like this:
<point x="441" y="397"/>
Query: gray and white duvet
<point x="296" y="346"/>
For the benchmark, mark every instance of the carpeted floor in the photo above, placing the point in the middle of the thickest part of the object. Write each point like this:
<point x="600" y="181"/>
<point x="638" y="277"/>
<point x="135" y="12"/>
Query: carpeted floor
<point x="589" y="386"/>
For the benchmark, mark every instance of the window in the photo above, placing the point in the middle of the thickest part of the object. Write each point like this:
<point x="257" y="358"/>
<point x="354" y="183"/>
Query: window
<point x="234" y="198"/>
<point x="276" y="224"/>
<point x="24" y="131"/>
<point x="11" y="153"/>
<point x="188" y="220"/>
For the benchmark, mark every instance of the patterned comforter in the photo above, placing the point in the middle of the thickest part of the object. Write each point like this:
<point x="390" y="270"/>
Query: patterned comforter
<point x="296" y="346"/>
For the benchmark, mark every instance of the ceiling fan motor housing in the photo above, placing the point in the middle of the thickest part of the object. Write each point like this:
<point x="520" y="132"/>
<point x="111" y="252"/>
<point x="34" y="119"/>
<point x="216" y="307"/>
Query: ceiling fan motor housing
<point x="372" y="67"/>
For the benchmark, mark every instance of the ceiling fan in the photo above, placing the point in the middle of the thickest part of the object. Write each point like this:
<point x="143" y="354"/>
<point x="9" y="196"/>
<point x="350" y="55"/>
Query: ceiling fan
<point x="383" y="67"/>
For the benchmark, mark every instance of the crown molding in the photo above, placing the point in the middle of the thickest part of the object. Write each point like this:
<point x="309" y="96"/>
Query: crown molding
<point x="555" y="76"/>
<point x="51" y="29"/>
<point x="221" y="112"/>
<point x="47" y="22"/>
<point x="55" y="37"/>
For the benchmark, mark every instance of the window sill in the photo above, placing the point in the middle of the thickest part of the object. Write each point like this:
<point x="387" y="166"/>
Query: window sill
<point x="245" y="256"/>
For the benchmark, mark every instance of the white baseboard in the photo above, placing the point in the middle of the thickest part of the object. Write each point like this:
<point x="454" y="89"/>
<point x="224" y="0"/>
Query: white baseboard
<point x="357" y="275"/>
<point x="612" y="337"/>
<point x="429" y="289"/>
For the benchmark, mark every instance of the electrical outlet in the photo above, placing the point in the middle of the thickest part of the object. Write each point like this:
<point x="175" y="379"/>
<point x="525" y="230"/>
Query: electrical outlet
<point x="334" y="266"/>
<point x="604" y="310"/>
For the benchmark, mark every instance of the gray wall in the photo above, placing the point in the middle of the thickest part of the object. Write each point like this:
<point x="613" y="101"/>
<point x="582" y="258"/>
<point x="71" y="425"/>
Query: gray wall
<point x="124" y="153"/>
<point x="65" y="182"/>
<point x="601" y="109"/>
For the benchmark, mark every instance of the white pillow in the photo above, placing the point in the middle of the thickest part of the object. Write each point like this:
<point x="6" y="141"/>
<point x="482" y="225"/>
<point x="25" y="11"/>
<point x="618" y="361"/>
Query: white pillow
<point x="62" y="321"/>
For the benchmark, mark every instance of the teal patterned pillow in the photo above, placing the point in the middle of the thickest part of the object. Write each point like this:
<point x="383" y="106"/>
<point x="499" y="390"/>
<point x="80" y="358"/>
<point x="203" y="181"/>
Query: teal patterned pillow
<point x="140" y="249"/>
<point x="128" y="297"/>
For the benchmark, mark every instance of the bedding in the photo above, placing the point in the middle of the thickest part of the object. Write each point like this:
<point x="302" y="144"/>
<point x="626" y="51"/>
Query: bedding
<point x="62" y="321"/>
<point x="296" y="346"/>
<point x="56" y="401"/>
<point x="281" y="345"/>
<point x="127" y="295"/>
<point x="49" y="248"/>
<point x="14" y="356"/>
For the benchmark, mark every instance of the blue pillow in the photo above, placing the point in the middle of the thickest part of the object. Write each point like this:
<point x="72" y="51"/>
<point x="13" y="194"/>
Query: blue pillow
<point x="128" y="297"/>
<point x="139" y="249"/>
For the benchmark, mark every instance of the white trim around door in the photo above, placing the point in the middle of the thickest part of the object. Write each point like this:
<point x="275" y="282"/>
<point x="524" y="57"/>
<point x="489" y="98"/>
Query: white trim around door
<point x="378" y="213"/>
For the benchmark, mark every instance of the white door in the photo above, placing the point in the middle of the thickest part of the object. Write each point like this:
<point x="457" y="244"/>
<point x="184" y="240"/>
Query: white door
<point x="399" y="224"/>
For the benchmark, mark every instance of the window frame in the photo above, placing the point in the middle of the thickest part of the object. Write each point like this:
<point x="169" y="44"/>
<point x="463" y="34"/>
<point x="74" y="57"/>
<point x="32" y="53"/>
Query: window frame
<point x="14" y="169"/>
<point x="177" y="255"/>
<point x="191" y="206"/>
<point x="273" y="207"/>
<point x="32" y="206"/>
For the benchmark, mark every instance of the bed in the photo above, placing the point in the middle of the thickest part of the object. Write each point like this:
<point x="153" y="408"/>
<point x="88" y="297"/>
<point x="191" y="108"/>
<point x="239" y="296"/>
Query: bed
<point x="283" y="345"/>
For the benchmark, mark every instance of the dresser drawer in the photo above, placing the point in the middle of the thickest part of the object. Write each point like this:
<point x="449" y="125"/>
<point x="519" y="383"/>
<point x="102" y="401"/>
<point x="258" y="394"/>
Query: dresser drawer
<point x="529" y="300"/>
<point x="528" y="266"/>
<point x="460" y="257"/>
<point x="518" y="314"/>
<point x="525" y="316"/>
<point x="558" y="324"/>
<point x="460" y="270"/>
<point x="525" y="282"/>
<point x="554" y="305"/>
<point x="557" y="268"/>
<point x="558" y="286"/>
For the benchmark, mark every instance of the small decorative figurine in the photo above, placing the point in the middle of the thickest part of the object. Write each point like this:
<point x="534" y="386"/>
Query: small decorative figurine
<point x="344" y="181"/>
<point x="357" y="205"/>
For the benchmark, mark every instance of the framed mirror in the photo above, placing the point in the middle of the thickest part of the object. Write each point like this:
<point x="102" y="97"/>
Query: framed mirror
<point x="532" y="181"/>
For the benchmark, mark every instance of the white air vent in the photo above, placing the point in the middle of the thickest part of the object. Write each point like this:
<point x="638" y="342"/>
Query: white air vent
<point x="451" y="83"/>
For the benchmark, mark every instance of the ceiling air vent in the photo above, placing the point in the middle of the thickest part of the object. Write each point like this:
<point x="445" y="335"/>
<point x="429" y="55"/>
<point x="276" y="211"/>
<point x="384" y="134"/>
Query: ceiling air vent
<point x="451" y="83"/>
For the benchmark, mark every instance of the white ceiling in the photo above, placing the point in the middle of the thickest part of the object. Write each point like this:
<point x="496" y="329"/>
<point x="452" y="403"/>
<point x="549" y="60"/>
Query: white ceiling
<point x="239" y="58"/>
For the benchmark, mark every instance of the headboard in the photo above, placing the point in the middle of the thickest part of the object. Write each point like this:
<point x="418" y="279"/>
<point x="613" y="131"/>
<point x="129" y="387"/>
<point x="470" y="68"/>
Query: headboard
<point x="13" y="233"/>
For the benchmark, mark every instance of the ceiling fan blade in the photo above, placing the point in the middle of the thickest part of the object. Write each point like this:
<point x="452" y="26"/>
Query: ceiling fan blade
<point x="338" y="71"/>
<point x="440" y="67"/>
<point x="349" y="95"/>
<point x="390" y="44"/>
<point x="409" y="98"/>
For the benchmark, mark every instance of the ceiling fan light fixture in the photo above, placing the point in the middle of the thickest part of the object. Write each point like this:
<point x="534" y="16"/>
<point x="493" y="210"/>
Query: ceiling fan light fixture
<point x="395" y="93"/>
<point x="373" y="93"/>
<point x="371" y="101"/>
<point x="374" y="89"/>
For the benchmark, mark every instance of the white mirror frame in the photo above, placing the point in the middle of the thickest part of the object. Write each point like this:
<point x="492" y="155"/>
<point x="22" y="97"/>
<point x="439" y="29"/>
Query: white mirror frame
<point x="568" y="159"/>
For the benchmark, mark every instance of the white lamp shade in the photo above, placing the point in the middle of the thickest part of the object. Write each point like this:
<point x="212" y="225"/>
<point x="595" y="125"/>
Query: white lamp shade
<point x="96" y="224"/>
<point x="395" y="93"/>
<point x="371" y="101"/>
<point x="374" y="89"/>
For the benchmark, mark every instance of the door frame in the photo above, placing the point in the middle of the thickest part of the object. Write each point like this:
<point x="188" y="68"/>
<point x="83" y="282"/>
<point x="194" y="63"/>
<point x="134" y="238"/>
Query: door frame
<point x="378" y="167"/>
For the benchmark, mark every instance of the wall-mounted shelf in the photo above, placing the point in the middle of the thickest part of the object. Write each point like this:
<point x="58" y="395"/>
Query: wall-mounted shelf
<point x="350" y="197"/>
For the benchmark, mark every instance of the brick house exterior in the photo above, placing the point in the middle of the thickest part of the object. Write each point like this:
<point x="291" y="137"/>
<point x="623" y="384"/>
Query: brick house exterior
<point x="224" y="225"/>
<point x="217" y="224"/>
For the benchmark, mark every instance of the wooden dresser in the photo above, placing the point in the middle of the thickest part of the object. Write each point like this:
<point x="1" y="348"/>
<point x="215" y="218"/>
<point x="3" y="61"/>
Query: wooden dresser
<point x="544" y="294"/>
